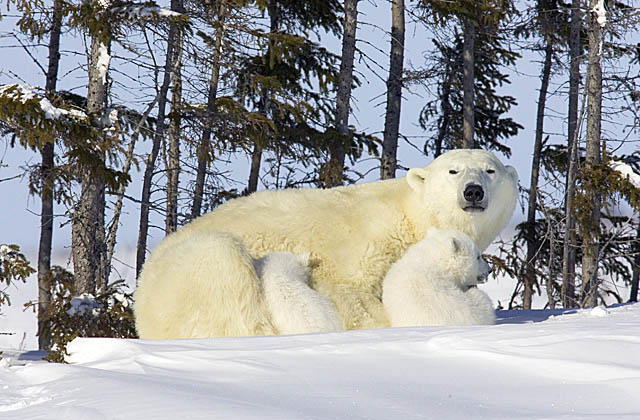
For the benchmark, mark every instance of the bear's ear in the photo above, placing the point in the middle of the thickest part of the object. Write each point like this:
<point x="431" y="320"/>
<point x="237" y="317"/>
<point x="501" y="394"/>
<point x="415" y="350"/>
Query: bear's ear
<point x="416" y="178"/>
<point x="303" y="258"/>
<point x="455" y="246"/>
<point x="513" y="173"/>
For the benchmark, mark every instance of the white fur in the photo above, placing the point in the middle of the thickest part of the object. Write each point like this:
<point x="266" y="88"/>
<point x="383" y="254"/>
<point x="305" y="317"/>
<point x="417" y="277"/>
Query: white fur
<point x="353" y="234"/>
<point x="295" y="307"/>
<point x="434" y="283"/>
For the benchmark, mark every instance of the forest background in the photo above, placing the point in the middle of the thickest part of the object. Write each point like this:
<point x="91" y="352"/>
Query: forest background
<point x="155" y="115"/>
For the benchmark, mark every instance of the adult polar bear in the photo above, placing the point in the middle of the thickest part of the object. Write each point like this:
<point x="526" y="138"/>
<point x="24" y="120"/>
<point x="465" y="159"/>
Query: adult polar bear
<point x="201" y="281"/>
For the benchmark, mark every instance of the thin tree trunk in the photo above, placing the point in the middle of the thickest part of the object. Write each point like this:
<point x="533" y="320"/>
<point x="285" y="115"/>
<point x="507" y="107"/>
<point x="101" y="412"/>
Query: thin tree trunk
<point x="532" y="242"/>
<point x="87" y="221"/>
<point x="117" y="208"/>
<point x="46" y="215"/>
<point x="445" y="105"/>
<point x="569" y="248"/>
<point x="204" y="148"/>
<point x="145" y="200"/>
<point x="394" y="92"/>
<point x="467" y="84"/>
<point x="591" y="232"/>
<point x="256" y="154"/>
<point x="254" y="172"/>
<point x="635" y="278"/>
<point x="173" y="171"/>
<point x="551" y="277"/>
<point x="343" y="94"/>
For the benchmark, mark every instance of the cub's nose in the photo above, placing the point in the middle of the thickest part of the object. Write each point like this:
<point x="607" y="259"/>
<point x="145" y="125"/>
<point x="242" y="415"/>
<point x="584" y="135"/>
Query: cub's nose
<point x="473" y="193"/>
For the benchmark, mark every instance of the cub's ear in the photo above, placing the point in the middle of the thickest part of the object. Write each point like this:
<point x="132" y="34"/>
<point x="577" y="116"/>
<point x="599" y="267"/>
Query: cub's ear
<point x="416" y="178"/>
<point x="513" y="173"/>
<point x="303" y="258"/>
<point x="455" y="246"/>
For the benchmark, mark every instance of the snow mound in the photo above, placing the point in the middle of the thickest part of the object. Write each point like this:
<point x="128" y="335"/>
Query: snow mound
<point x="568" y="364"/>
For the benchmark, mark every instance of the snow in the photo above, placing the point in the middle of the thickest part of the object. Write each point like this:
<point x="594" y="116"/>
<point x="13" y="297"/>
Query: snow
<point x="600" y="13"/>
<point x="542" y="364"/>
<point x="85" y="304"/>
<point x="102" y="64"/>
<point x="626" y="171"/>
<point x="142" y="12"/>
<point x="18" y="91"/>
<point x="25" y="93"/>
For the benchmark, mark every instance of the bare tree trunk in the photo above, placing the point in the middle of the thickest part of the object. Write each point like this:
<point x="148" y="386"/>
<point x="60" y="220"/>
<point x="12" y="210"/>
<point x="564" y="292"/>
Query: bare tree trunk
<point x="46" y="214"/>
<point x="532" y="241"/>
<point x="87" y="220"/>
<point x="635" y="278"/>
<point x="591" y="232"/>
<point x="569" y="249"/>
<point x="550" y="284"/>
<point x="343" y="94"/>
<point x="394" y="92"/>
<point x="468" y="124"/>
<point x="445" y="105"/>
<point x="205" y="142"/>
<point x="173" y="171"/>
<point x="254" y="172"/>
<point x="256" y="154"/>
<point x="117" y="207"/>
<point x="145" y="200"/>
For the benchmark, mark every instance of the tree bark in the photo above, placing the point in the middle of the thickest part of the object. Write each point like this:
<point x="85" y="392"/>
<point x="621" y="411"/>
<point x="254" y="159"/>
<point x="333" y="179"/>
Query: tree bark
<point x="445" y="105"/>
<point x="569" y="248"/>
<point x="591" y="232"/>
<point x="204" y="148"/>
<point x="254" y="172"/>
<point x="394" y="92"/>
<point x="532" y="241"/>
<point x="145" y="200"/>
<point x="46" y="174"/>
<point x="256" y="154"/>
<point x="87" y="221"/>
<point x="343" y="94"/>
<point x="467" y="84"/>
<point x="635" y="278"/>
<point x="173" y="170"/>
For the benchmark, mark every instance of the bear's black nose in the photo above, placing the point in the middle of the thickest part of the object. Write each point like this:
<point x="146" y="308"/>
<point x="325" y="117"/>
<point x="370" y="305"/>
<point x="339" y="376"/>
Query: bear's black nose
<point x="473" y="193"/>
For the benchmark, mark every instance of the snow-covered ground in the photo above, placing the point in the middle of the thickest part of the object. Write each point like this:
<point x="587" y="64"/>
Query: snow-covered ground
<point x="562" y="364"/>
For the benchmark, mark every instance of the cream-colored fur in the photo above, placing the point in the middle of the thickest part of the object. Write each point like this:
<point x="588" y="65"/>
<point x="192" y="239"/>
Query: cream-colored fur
<point x="434" y="283"/>
<point x="295" y="307"/>
<point x="201" y="287"/>
<point x="353" y="235"/>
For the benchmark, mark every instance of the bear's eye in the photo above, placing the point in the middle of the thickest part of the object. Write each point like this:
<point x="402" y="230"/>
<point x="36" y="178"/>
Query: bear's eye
<point x="453" y="171"/>
<point x="491" y="171"/>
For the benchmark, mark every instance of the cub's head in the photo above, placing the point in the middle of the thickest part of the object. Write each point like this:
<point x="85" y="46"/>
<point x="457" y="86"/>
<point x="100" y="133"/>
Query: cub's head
<point x="283" y="265"/>
<point x="456" y="254"/>
<point x="468" y="190"/>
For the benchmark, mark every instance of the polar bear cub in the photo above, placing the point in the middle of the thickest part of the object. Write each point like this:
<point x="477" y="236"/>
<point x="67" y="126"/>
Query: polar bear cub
<point x="433" y="283"/>
<point x="294" y="306"/>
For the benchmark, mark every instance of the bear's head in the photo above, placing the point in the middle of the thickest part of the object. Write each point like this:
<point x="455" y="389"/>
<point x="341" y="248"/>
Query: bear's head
<point x="468" y="190"/>
<point x="457" y="255"/>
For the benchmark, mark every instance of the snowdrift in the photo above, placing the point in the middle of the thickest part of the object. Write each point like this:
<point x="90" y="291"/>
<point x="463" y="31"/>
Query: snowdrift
<point x="534" y="364"/>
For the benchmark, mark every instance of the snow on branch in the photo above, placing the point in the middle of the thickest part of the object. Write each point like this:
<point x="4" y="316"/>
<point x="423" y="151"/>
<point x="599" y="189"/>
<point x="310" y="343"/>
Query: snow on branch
<point x="599" y="13"/>
<point x="144" y="11"/>
<point x="25" y="93"/>
<point x="626" y="172"/>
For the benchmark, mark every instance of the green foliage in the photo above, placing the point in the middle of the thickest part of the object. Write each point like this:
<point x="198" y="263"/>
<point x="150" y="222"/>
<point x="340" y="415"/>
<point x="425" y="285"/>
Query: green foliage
<point x="617" y="233"/>
<point x="35" y="120"/>
<point x="14" y="267"/>
<point x="69" y="316"/>
<point x="443" y="115"/>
